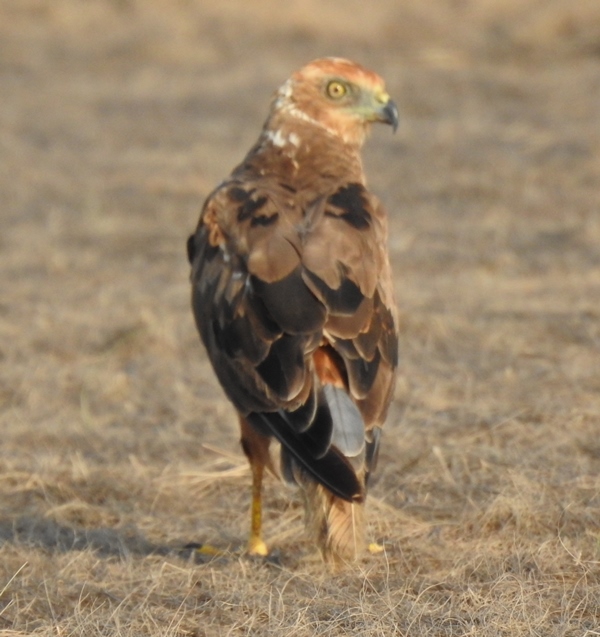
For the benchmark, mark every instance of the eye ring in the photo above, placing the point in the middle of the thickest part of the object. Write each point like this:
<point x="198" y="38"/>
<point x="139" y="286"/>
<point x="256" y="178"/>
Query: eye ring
<point x="336" y="89"/>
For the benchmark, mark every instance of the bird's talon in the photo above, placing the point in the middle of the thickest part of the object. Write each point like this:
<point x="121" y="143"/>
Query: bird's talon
<point x="257" y="547"/>
<point x="201" y="552"/>
<point x="375" y="548"/>
<point x="213" y="551"/>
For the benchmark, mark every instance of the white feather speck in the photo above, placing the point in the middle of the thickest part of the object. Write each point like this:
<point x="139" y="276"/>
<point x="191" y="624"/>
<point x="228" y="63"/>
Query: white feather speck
<point x="276" y="138"/>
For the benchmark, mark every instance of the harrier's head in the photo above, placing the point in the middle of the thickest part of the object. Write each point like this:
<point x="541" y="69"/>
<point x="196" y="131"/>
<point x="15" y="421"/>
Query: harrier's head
<point x="338" y="96"/>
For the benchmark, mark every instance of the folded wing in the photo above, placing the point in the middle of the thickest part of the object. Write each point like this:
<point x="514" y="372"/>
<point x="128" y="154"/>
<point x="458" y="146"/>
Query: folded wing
<point x="293" y="300"/>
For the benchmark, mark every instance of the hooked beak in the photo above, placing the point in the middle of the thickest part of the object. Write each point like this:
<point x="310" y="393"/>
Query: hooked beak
<point x="389" y="114"/>
<point x="377" y="106"/>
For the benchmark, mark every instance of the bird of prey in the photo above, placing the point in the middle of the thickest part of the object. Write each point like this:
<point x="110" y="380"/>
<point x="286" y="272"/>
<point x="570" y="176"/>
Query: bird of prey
<point x="293" y="299"/>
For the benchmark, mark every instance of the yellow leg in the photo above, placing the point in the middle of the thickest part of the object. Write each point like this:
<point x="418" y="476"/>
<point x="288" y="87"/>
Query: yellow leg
<point x="256" y="546"/>
<point x="256" y="448"/>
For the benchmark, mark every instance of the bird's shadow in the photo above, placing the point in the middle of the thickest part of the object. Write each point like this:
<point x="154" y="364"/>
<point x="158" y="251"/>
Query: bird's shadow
<point x="49" y="535"/>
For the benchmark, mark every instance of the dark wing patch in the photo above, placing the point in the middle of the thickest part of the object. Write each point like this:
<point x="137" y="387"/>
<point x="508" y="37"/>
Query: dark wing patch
<point x="353" y="206"/>
<point x="283" y="368"/>
<point x="237" y="194"/>
<point x="291" y="304"/>
<point x="302" y="418"/>
<point x="250" y="207"/>
<point x="342" y="300"/>
<point x="362" y="373"/>
<point x="264" y="220"/>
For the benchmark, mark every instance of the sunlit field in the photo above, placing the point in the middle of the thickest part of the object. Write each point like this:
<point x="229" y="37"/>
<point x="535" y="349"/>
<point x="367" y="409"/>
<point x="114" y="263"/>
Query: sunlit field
<point x="118" y="448"/>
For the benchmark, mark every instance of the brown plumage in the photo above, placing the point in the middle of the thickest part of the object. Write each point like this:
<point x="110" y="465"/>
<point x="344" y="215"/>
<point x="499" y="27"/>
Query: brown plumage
<point x="292" y="296"/>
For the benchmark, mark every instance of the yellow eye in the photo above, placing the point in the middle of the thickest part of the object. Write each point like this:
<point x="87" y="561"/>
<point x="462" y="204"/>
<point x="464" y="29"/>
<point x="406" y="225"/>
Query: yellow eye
<point x="336" y="89"/>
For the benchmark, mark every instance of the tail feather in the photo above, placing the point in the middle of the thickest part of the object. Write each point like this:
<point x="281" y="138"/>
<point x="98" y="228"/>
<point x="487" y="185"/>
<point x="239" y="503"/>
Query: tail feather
<point x="336" y="525"/>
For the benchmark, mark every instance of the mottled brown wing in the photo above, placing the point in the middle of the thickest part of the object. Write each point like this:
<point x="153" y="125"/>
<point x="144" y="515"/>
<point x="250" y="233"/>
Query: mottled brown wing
<point x="276" y="280"/>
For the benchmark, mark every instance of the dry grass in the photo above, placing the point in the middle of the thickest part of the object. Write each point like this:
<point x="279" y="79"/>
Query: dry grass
<point x="116" y="118"/>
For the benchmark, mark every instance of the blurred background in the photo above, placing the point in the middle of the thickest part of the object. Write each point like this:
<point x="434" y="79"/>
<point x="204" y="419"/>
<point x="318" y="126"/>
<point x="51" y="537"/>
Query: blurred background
<point x="117" y="117"/>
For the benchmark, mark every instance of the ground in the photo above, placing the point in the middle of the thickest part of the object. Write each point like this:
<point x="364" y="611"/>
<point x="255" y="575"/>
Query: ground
<point x="118" y="448"/>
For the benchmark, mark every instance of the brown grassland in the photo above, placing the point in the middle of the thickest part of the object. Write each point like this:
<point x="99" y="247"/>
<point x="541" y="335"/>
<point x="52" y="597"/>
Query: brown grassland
<point x="117" y="446"/>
